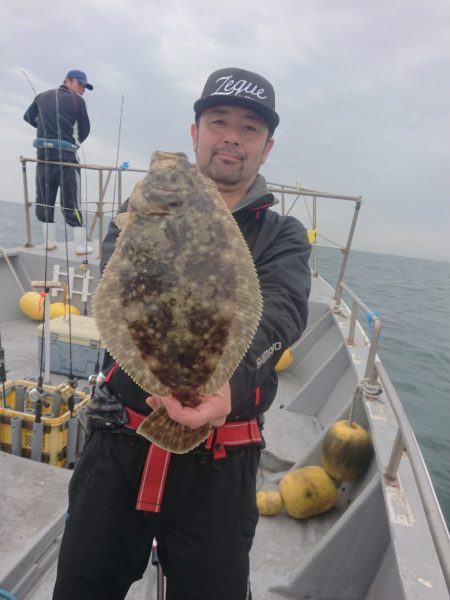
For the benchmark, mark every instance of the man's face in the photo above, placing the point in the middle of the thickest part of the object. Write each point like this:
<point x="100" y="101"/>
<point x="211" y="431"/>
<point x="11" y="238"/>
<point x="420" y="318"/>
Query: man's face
<point x="231" y="143"/>
<point x="75" y="86"/>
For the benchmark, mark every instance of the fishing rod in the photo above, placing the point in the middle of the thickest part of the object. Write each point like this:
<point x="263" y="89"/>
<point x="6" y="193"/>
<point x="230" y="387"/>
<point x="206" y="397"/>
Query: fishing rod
<point x="45" y="280"/>
<point x="2" y="370"/>
<point x="117" y="152"/>
<point x="36" y="394"/>
<point x="72" y="384"/>
<point x="29" y="81"/>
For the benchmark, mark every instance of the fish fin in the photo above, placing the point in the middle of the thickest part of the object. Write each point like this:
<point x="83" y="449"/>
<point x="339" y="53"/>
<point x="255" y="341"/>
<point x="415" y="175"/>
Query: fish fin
<point x="160" y="429"/>
<point x="121" y="220"/>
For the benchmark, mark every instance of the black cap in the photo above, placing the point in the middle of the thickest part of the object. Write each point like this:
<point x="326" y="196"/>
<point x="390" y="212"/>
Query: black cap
<point x="240" y="88"/>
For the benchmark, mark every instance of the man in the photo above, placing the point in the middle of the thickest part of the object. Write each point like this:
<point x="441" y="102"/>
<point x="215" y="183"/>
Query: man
<point x="56" y="114"/>
<point x="206" y="520"/>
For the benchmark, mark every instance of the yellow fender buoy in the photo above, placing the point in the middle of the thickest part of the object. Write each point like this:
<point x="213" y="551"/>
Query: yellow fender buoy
<point x="286" y="360"/>
<point x="59" y="309"/>
<point x="32" y="304"/>
<point x="269" y="502"/>
<point x="346" y="450"/>
<point x="307" y="492"/>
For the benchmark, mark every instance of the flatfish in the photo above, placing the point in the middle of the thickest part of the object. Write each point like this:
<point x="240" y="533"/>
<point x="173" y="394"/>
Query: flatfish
<point x="179" y="301"/>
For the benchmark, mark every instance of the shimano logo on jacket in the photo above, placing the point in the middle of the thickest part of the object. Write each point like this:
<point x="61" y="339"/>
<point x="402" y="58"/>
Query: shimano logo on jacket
<point x="267" y="354"/>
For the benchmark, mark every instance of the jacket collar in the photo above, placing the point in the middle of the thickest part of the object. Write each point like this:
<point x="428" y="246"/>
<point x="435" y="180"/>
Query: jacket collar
<point x="257" y="197"/>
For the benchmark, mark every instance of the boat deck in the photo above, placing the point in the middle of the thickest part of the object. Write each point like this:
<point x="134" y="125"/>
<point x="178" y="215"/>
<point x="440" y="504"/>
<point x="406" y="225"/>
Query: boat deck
<point x="373" y="544"/>
<point x="35" y="495"/>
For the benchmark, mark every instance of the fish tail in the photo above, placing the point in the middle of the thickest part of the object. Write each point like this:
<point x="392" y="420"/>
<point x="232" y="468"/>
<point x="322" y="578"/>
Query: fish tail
<point x="160" y="429"/>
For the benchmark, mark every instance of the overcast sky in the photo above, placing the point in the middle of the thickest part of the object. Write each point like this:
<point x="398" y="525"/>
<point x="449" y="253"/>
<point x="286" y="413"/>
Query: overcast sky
<point x="363" y="92"/>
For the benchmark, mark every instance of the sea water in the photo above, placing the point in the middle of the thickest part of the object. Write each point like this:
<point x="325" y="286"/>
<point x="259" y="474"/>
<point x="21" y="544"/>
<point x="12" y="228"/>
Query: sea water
<point x="411" y="296"/>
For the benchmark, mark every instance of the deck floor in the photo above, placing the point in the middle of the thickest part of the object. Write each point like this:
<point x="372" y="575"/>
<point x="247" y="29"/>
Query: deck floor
<point x="38" y="493"/>
<point x="284" y="431"/>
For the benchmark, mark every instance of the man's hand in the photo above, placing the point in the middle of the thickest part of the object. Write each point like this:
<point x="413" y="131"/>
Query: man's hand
<point x="213" y="408"/>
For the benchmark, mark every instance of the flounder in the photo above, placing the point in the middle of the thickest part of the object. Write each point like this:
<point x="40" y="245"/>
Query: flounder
<point x="179" y="301"/>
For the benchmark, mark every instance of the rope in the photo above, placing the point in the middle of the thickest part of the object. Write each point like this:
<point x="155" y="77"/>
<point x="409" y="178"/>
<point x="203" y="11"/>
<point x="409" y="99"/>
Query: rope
<point x="364" y="390"/>
<point x="357" y="397"/>
<point x="372" y="391"/>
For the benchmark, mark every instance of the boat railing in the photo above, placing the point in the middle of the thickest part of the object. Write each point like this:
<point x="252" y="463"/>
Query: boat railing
<point x="104" y="177"/>
<point x="376" y="378"/>
<point x="406" y="441"/>
<point x="374" y="371"/>
<point x="375" y="374"/>
<point x="370" y="374"/>
<point x="282" y="191"/>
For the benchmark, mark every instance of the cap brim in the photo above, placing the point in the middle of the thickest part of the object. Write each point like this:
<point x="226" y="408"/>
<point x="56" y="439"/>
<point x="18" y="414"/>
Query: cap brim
<point x="270" y="116"/>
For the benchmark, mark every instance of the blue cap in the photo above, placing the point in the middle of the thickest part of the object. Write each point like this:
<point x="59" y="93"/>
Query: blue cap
<point x="75" y="74"/>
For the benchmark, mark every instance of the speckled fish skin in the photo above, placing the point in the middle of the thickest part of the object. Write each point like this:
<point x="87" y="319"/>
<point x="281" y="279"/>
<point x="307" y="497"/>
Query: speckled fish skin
<point x="179" y="300"/>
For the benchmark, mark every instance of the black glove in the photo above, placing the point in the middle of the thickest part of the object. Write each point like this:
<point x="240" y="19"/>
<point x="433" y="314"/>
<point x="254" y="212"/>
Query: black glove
<point x="105" y="411"/>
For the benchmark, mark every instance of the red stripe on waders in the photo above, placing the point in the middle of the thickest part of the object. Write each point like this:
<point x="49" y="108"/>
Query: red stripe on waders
<point x="154" y="474"/>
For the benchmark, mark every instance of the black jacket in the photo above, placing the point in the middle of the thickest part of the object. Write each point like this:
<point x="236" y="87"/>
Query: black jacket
<point x="58" y="114"/>
<point x="280" y="249"/>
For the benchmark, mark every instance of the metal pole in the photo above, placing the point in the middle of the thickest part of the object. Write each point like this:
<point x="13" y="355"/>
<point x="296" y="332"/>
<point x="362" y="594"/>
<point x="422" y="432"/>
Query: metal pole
<point x="371" y="372"/>
<point x="119" y="189"/>
<point x="314" y="245"/>
<point x="47" y="337"/>
<point x="29" y="242"/>
<point x="36" y="440"/>
<point x="100" y="208"/>
<point x="20" y="397"/>
<point x="16" y="436"/>
<point x="72" y="428"/>
<point x="396" y="456"/>
<point x="346" y="252"/>
<point x="351" y="329"/>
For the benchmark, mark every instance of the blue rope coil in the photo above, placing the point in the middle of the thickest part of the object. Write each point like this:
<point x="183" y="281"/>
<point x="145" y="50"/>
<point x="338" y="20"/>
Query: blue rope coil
<point x="7" y="595"/>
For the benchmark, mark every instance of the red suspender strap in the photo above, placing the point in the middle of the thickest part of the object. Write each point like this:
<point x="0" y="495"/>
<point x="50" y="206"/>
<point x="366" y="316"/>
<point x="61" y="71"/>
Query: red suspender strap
<point x="153" y="480"/>
<point x="111" y="373"/>
<point x="154" y="474"/>
<point x="257" y="396"/>
<point x="237" y="433"/>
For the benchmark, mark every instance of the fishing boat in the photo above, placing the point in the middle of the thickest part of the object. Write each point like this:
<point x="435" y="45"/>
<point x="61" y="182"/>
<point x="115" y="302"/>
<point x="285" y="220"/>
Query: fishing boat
<point x="384" y="539"/>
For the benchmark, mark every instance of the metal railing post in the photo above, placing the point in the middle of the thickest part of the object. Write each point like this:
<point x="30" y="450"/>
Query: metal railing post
<point x="395" y="458"/>
<point x="29" y="242"/>
<point x="371" y="373"/>
<point x="352" y="325"/>
<point x="314" y="245"/>
<point x="119" y="188"/>
<point x="346" y="252"/>
<point x="99" y="213"/>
